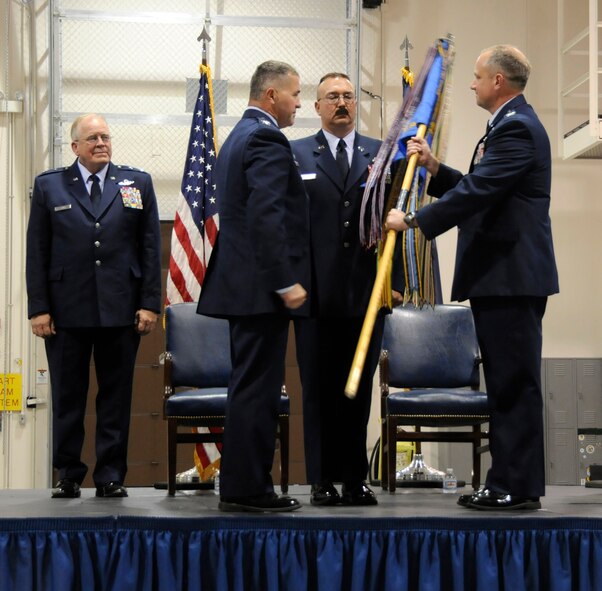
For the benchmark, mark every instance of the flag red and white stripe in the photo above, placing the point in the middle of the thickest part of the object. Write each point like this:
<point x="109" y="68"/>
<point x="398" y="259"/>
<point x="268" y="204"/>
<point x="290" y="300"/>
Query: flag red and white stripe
<point x="196" y="221"/>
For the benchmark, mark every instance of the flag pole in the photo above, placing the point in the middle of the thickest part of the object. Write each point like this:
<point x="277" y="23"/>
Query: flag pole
<point x="195" y="228"/>
<point x="417" y="109"/>
<point x="375" y="302"/>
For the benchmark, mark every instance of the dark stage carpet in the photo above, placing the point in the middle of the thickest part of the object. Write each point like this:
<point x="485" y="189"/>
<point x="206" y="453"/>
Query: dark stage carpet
<point x="415" y="539"/>
<point x="559" y="502"/>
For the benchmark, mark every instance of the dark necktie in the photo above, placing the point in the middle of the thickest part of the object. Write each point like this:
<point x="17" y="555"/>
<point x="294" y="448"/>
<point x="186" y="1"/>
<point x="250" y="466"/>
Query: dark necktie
<point x="342" y="160"/>
<point x="95" y="193"/>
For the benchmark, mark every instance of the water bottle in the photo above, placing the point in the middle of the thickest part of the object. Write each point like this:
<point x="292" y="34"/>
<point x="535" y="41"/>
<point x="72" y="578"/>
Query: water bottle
<point x="216" y="483"/>
<point x="450" y="484"/>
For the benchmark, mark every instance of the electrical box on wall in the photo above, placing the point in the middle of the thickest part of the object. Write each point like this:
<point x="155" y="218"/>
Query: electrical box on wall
<point x="593" y="478"/>
<point x="589" y="449"/>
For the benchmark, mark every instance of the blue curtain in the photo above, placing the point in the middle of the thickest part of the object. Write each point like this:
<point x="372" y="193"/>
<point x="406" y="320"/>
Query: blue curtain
<point x="287" y="553"/>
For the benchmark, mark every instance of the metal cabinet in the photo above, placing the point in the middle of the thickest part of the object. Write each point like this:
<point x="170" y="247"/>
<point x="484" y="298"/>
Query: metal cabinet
<point x="573" y="417"/>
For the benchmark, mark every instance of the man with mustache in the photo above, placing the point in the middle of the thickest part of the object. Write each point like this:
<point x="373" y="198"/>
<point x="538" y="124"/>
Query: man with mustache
<point x="94" y="287"/>
<point x="334" y="165"/>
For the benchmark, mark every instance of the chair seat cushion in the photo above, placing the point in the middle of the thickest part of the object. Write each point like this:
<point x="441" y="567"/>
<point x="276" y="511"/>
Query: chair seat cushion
<point x="206" y="402"/>
<point x="452" y="403"/>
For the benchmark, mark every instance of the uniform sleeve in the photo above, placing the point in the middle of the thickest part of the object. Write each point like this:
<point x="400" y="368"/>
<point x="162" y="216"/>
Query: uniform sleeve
<point x="38" y="253"/>
<point x="267" y="164"/>
<point x="510" y="153"/>
<point x="150" y="252"/>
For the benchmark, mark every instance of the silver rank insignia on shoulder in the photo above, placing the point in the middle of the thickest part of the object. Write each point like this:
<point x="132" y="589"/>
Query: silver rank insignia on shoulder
<point x="125" y="183"/>
<point x="510" y="113"/>
<point x="125" y="167"/>
<point x="54" y="171"/>
<point x="265" y="122"/>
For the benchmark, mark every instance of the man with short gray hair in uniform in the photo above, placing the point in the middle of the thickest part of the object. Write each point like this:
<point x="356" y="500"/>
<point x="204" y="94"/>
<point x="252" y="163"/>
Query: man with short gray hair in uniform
<point x="94" y="287"/>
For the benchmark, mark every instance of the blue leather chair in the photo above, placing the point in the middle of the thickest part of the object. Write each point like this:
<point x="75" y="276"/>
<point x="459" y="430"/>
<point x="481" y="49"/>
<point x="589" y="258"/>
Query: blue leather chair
<point x="429" y="377"/>
<point x="196" y="375"/>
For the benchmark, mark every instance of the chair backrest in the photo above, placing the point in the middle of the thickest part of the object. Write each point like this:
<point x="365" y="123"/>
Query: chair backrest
<point x="432" y="347"/>
<point x="199" y="347"/>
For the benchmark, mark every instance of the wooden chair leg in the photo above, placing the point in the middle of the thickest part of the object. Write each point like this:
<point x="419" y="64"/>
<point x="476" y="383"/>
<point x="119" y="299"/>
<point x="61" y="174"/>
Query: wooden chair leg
<point x="384" y="454"/>
<point x="392" y="452"/>
<point x="284" y="451"/>
<point x="476" y="458"/>
<point x="172" y="445"/>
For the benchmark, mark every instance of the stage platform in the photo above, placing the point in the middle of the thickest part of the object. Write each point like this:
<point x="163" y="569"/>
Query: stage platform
<point x="415" y="540"/>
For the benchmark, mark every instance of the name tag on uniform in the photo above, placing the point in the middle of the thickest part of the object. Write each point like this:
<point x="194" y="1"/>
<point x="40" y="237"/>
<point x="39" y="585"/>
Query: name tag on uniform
<point x="62" y="207"/>
<point x="309" y="176"/>
<point x="131" y="197"/>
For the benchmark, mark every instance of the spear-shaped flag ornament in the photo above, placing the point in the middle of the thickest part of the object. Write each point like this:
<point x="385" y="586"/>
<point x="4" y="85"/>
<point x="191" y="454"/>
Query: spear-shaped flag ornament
<point x="406" y="72"/>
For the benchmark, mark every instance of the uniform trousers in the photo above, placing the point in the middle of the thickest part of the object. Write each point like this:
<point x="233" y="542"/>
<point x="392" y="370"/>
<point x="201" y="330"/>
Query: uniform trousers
<point x="69" y="353"/>
<point x="509" y="332"/>
<point x="335" y="427"/>
<point x="258" y="350"/>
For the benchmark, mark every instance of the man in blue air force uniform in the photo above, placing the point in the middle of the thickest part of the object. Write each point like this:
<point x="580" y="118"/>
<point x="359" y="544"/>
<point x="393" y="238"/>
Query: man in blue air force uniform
<point x="505" y="265"/>
<point x="334" y="165"/>
<point x="93" y="286"/>
<point x="257" y="277"/>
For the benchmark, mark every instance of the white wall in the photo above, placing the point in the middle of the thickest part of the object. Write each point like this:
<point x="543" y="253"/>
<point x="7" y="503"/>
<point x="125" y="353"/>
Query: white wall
<point x="24" y="438"/>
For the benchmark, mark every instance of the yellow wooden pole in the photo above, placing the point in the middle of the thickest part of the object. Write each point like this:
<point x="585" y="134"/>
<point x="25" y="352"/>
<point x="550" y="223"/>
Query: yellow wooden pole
<point x="375" y="303"/>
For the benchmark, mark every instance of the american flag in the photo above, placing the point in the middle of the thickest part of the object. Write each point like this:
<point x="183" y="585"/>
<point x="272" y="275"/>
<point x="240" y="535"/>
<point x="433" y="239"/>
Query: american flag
<point x="196" y="222"/>
<point x="195" y="228"/>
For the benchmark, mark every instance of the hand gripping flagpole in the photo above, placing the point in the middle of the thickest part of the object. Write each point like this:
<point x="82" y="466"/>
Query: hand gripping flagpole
<point x="375" y="303"/>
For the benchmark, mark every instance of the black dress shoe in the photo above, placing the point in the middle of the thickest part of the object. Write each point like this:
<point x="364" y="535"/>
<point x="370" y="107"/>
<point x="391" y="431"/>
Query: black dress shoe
<point x="357" y="494"/>
<point x="268" y="503"/>
<point x="111" y="490"/>
<point x="324" y="494"/>
<point x="489" y="500"/>
<point x="66" y="489"/>
<point x="463" y="500"/>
